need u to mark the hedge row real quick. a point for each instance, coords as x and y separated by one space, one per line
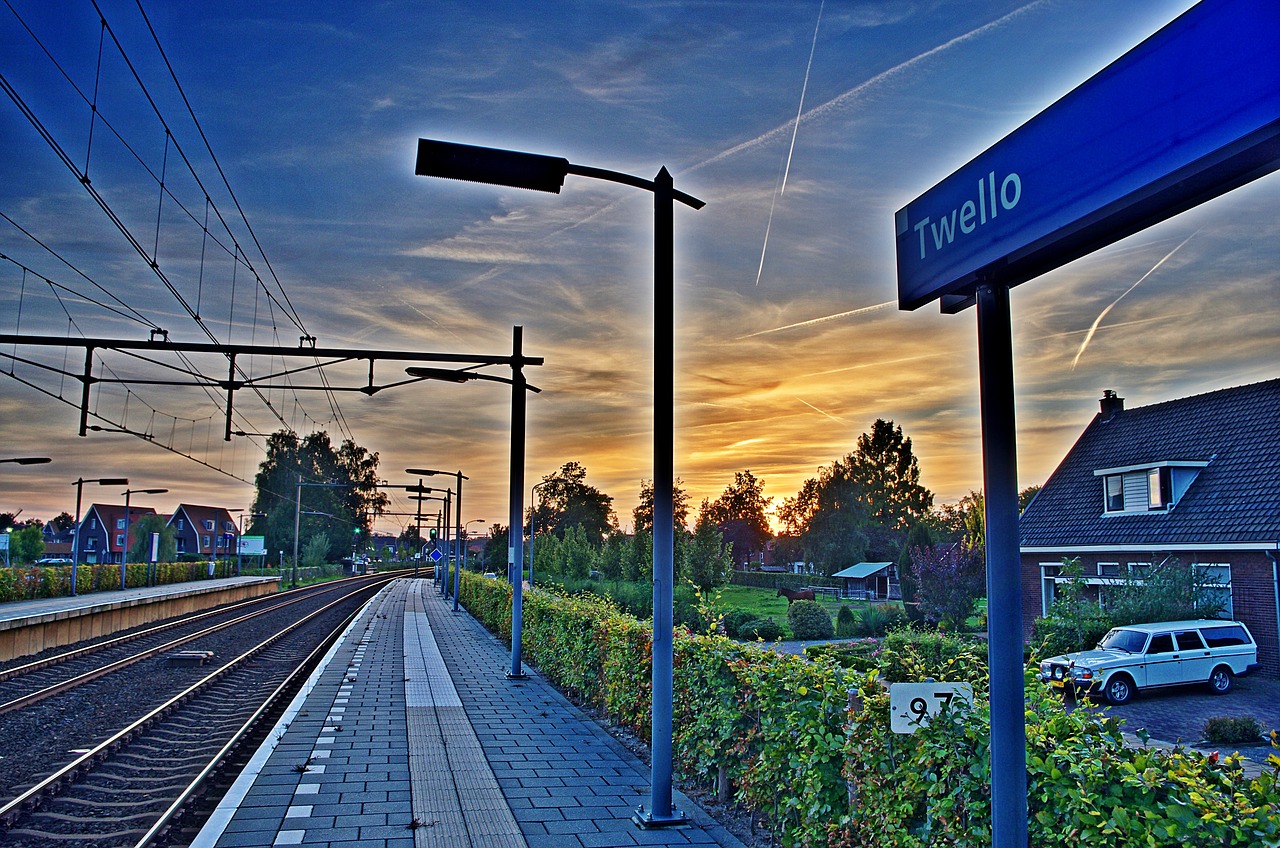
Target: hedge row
808 743
785 580
31 582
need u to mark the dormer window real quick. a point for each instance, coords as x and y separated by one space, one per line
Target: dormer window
1146 488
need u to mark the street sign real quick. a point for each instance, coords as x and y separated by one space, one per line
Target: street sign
1187 115
911 705
435 555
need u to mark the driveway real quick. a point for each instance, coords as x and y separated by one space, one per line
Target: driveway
1177 715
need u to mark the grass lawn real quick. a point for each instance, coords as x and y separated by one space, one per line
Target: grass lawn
764 603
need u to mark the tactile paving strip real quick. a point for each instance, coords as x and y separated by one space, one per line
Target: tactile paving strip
456 798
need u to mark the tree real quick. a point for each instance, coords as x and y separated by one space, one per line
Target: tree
26 544
315 552
63 522
862 505
642 515
739 513
708 560
494 555
919 536
886 469
140 539
950 578
567 501
334 511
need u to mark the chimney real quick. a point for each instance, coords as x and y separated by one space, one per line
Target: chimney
1110 404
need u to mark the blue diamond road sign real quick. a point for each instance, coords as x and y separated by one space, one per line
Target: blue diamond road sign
435 555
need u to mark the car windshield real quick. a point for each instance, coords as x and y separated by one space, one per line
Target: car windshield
1129 641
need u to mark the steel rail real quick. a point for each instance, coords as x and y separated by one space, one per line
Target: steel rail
124 662
162 825
17 805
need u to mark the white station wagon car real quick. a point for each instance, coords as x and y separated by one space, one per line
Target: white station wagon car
1143 656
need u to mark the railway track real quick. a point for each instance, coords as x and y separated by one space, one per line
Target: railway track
131 784
28 683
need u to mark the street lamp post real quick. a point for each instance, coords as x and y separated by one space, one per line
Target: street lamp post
457 511
465 552
124 552
515 546
75 533
547 173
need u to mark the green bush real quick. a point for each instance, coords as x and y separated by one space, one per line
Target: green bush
734 620
846 623
1229 730
1059 634
879 619
761 628
807 743
809 620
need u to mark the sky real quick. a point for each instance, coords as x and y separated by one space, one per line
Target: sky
285 136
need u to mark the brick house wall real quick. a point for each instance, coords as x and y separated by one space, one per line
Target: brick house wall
1253 591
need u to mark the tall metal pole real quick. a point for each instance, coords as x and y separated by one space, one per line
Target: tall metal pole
1004 586
457 542
661 813
417 523
124 554
75 536
444 539
297 528
515 529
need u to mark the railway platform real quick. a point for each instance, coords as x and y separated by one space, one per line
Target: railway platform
409 735
28 627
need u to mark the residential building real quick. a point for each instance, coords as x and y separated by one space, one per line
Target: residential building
103 534
208 532
1195 479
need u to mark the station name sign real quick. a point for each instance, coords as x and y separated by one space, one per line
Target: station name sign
1188 114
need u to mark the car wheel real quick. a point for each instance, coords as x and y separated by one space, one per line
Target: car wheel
1220 680
1119 689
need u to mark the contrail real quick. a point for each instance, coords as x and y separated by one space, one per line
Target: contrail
791 150
841 99
803 88
1092 329
821 320
819 411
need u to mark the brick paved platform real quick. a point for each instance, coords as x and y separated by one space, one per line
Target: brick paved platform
410 735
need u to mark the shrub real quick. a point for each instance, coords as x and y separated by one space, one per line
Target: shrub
761 628
846 623
877 619
1233 730
735 619
809 620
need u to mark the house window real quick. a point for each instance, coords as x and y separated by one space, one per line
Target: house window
91 544
119 523
93 524
1108 569
208 523
1218 577
119 540
1114 488
182 524
206 541
1159 488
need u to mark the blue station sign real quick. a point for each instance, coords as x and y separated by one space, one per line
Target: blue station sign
1188 114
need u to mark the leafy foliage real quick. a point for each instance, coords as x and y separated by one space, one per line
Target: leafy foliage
26 545
140 539
739 513
567 501
708 560
807 744
332 510
764 629
846 623
950 578
808 620
862 506
1233 730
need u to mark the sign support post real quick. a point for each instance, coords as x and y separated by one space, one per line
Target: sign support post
1004 586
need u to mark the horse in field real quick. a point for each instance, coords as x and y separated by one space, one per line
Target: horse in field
795 595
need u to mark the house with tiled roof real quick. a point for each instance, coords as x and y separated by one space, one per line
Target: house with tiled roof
205 531
103 538
1196 479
